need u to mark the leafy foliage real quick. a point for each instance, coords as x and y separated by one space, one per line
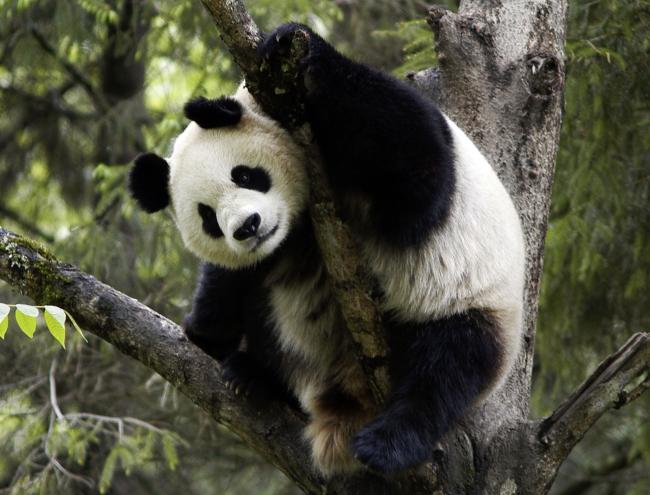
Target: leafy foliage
27 317
600 221
597 266
418 50
87 84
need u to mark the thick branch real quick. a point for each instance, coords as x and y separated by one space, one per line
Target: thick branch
272 429
351 285
238 31
141 333
617 381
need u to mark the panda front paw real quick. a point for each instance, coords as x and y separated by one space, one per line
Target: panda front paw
277 45
194 331
388 445
243 376
202 334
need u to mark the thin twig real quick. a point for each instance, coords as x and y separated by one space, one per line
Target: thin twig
119 421
25 224
50 102
74 72
53 399
55 462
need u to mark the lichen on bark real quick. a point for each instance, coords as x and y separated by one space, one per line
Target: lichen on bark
27 264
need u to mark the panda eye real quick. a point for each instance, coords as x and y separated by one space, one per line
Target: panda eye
210 222
255 178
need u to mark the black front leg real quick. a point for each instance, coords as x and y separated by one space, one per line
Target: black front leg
215 322
380 139
230 305
439 369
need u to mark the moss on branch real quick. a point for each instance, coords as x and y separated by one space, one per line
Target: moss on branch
30 267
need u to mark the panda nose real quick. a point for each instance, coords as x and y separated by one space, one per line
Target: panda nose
248 228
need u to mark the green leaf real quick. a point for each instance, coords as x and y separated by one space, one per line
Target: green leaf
108 470
55 321
76 326
169 451
4 319
26 318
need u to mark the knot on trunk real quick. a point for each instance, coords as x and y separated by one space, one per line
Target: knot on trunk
544 74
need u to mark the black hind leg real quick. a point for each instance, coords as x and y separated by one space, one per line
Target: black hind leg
439 369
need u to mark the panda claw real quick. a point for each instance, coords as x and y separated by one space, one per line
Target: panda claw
243 379
278 43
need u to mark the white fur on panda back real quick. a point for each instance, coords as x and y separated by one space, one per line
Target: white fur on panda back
475 261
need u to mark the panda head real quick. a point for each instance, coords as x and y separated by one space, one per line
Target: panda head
236 181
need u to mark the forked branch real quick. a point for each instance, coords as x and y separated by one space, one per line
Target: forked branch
619 379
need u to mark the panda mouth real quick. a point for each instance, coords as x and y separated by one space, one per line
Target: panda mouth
262 239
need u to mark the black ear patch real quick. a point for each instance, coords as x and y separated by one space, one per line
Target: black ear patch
222 112
149 182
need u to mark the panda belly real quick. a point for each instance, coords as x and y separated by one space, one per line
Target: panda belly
309 328
319 364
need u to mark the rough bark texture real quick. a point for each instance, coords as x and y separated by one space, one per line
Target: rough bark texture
501 78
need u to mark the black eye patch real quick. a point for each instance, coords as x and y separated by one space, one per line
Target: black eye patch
254 178
210 223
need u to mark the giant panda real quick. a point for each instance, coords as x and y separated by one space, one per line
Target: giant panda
434 225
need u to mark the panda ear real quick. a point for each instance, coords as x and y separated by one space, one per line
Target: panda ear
222 112
149 182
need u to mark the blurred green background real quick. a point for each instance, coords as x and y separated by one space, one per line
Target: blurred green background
87 84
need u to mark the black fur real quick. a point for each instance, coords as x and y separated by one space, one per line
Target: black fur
388 147
227 303
251 377
209 221
336 401
215 323
255 178
209 114
230 314
438 369
229 322
149 182
379 139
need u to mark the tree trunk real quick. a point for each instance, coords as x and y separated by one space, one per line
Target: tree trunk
500 78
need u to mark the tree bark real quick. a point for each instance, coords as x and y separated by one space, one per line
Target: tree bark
501 77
